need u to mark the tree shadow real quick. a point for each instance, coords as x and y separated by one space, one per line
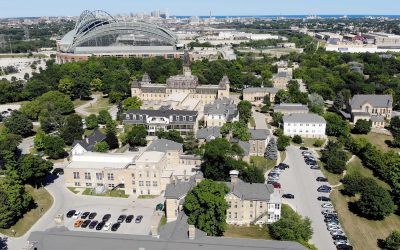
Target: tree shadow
381 243
3 243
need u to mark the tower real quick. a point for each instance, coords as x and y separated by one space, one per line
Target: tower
186 64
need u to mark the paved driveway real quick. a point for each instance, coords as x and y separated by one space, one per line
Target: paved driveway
300 181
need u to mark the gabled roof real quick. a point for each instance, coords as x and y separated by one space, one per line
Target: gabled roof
259 134
179 188
251 191
377 101
260 89
209 133
290 106
164 145
303 118
223 106
89 142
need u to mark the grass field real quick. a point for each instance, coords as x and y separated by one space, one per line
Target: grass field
102 103
43 201
79 102
108 193
252 232
147 196
261 162
379 140
309 142
283 155
72 189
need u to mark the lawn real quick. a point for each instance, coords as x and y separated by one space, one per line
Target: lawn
147 196
43 201
252 232
309 142
108 193
262 163
378 140
102 103
79 102
252 122
283 155
363 233
72 189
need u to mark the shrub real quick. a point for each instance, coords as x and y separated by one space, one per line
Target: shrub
318 143
297 139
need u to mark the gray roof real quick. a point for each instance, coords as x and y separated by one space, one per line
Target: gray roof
260 89
290 106
178 230
259 134
178 116
164 145
223 106
63 239
90 141
282 74
208 133
251 191
161 113
245 146
178 188
303 118
377 101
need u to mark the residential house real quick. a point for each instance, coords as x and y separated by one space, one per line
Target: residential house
305 125
88 143
208 134
220 112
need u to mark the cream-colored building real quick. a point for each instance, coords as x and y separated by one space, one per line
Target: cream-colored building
249 203
256 95
374 108
220 112
304 125
144 173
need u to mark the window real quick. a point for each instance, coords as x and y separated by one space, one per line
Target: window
147 173
76 175
99 176
133 176
251 215
127 116
235 204
276 216
277 206
111 185
141 183
133 182
230 204
229 215
269 216
88 184
251 203
147 183
110 176
77 184
155 175
155 183
261 204
235 215
190 118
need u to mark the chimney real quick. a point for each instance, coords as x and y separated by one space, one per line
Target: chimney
192 232
184 175
87 139
234 176
175 180
154 231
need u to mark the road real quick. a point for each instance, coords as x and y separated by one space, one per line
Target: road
26 145
65 200
300 181
82 109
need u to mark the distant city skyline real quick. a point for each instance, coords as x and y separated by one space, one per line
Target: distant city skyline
23 8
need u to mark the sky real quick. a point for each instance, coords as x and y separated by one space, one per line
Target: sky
32 8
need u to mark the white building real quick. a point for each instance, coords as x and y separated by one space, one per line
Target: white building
305 125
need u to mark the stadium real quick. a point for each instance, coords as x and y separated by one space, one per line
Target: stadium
97 33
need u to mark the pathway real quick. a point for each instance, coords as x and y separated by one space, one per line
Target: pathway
82 109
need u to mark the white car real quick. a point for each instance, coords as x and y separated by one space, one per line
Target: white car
337 232
76 215
107 226
334 228
341 242
328 211
327 205
332 224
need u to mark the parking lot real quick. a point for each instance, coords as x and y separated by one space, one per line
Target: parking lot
300 181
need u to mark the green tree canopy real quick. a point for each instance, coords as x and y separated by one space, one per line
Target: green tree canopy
244 108
136 136
72 129
392 242
104 117
190 144
206 207
131 103
362 127
283 142
32 168
101 147
54 147
18 123
172 135
91 121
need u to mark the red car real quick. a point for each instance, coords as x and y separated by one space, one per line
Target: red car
276 185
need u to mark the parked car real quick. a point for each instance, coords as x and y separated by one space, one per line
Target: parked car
344 247
327 205
337 232
115 226
92 216
107 226
334 228
322 179
328 211
85 215
326 220
288 196
93 224
303 148
314 167
78 223
129 219
331 224
324 190
324 198
100 225
282 166
271 174
138 219
106 217
76 215
339 237
160 207
121 218
85 223
276 185
341 242
57 171
306 153
70 213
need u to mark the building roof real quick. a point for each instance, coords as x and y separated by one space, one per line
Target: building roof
179 188
251 191
162 113
94 160
303 118
164 145
209 133
173 236
150 157
377 101
245 146
290 107
224 106
260 89
89 142
259 134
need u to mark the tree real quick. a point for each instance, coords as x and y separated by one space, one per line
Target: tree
101 147
96 84
172 135
251 173
131 103
38 141
339 102
226 128
112 140
318 143
72 129
31 168
18 123
283 142
54 147
297 139
277 119
291 226
14 201
244 108
281 96
50 120
272 150
267 104
206 207
316 103
240 131
65 85
375 203
335 165
137 136
190 144
91 122
104 117
336 126
392 242
362 126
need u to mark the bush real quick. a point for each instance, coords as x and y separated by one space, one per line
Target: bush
375 203
297 139
278 132
318 143
362 127
392 242
283 142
